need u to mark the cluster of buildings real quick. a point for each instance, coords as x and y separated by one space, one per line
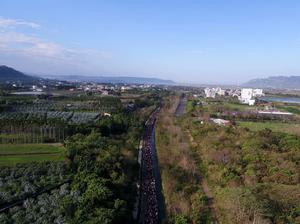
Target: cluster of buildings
245 95
45 86
36 88
213 92
248 95
106 89
94 88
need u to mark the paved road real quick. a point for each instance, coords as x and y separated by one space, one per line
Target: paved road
150 184
181 106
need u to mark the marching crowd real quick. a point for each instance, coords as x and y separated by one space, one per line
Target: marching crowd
148 184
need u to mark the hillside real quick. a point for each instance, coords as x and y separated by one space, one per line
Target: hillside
8 74
275 82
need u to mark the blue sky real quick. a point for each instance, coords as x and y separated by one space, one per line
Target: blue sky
203 41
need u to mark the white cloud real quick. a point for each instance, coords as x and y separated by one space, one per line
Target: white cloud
7 23
32 46
19 43
35 47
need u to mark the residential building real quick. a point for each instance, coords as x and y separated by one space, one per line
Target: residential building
248 95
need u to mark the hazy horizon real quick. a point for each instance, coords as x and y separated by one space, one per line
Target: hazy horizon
199 42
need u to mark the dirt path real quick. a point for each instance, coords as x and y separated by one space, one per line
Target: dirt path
205 188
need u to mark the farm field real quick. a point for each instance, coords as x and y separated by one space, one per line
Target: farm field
228 106
274 126
291 109
11 154
237 106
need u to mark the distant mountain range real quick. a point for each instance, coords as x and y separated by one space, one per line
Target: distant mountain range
275 82
8 74
116 79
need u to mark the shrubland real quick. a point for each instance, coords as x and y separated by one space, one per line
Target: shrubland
254 175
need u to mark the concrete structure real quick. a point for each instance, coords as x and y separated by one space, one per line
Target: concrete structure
247 95
105 92
258 92
251 102
274 112
220 121
209 93
234 92
212 92
220 92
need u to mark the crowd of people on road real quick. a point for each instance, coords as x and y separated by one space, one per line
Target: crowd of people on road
148 182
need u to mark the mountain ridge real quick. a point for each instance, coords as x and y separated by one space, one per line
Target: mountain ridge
8 74
115 79
275 82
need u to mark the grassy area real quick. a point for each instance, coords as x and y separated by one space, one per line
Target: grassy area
291 109
190 106
212 107
16 137
11 154
274 126
179 168
250 173
238 107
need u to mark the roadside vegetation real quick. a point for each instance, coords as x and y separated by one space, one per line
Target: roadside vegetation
180 167
290 128
253 172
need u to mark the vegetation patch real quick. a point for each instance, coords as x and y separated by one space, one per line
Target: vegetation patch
12 154
274 126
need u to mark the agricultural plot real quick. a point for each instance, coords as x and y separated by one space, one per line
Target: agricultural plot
83 118
11 154
13 116
103 104
41 127
71 117
238 107
32 133
29 178
291 109
274 126
22 116
46 208
65 116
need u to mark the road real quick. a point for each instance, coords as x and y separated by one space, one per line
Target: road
181 106
151 206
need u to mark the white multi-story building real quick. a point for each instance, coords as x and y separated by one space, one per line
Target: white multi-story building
212 92
220 92
234 92
209 93
247 95
258 92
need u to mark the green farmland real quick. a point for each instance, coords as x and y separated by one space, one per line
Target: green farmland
274 126
11 154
